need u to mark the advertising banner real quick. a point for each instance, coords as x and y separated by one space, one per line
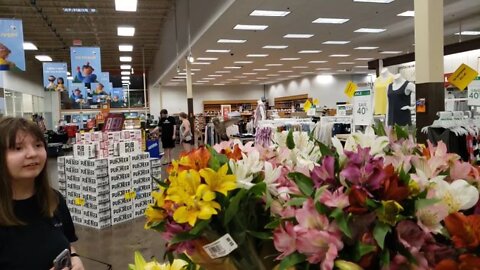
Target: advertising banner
12 55
362 108
118 98
86 64
77 96
99 93
55 76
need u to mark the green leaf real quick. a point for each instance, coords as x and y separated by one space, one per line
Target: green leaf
234 205
372 204
261 235
379 129
290 141
298 201
325 150
259 189
199 227
321 208
402 133
421 203
274 224
385 259
379 233
304 183
362 250
342 221
404 177
216 160
291 260
319 192
160 182
182 237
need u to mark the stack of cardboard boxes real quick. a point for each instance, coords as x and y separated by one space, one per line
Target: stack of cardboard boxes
106 144
141 182
120 177
156 172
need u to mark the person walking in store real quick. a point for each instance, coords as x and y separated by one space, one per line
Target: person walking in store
167 127
185 132
35 224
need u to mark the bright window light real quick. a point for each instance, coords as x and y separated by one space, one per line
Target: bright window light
126 5
366 48
125 77
70 78
243 62
364 59
298 36
468 33
336 42
207 58
125 48
274 65
370 30
231 40
257 55
391 52
318 61
217 51
331 20
125 72
289 59
125 67
251 27
125 59
339 55
232 67
269 13
310 51
375 1
408 13
278 47
43 58
29 46
126 31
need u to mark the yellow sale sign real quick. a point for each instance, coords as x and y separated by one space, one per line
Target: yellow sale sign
463 77
350 89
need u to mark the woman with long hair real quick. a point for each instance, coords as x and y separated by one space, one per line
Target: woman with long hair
185 132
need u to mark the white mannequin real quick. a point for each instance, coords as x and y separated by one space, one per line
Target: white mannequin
398 81
260 114
385 73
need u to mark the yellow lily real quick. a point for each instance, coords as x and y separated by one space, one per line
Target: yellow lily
184 188
389 212
141 264
199 210
154 215
219 181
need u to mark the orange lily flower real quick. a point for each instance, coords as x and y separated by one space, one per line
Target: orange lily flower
465 230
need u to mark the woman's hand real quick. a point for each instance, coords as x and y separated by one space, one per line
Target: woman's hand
77 263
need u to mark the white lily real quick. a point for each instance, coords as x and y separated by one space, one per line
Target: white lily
371 140
245 169
458 195
271 176
423 179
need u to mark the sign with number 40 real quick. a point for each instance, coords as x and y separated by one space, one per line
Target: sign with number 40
362 108
474 93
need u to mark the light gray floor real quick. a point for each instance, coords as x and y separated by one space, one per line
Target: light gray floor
115 245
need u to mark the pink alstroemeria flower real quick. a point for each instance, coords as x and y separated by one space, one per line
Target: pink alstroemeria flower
363 169
336 199
284 240
325 173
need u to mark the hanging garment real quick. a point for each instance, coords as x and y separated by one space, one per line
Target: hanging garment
380 94
397 99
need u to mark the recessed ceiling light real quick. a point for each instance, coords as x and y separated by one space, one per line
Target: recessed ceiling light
125 48
361 66
126 5
273 75
200 63
317 61
364 59
125 59
346 63
241 77
298 36
257 55
366 48
243 62
370 30
125 73
468 33
391 52
259 69
252 27
336 42
217 51
289 59
331 20
310 51
269 13
285 71
274 65
125 77
29 46
125 66
278 47
223 71
299 67
408 13
207 58
126 31
43 58
375 1
232 67
214 75
232 41
339 55
323 69
249 73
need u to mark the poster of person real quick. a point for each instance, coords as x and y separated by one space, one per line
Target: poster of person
12 55
77 96
118 98
55 76
99 93
86 64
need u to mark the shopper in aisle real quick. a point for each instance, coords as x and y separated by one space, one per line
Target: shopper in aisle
35 224
186 136
167 127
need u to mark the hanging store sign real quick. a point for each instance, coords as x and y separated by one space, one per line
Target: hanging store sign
350 89
462 77
12 55
86 64
362 108
55 76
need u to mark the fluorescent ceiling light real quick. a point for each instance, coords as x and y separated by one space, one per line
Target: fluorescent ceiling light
232 67
375 1
298 36
310 51
193 69
68 73
262 78
323 69
126 31
253 80
125 66
200 63
43 58
29 46
184 73
207 58
208 79
364 59
366 48
299 67
269 13
391 52
214 75
223 71
370 30
317 61
361 66
331 20
307 72
289 59
468 33
339 55
125 72
125 48
252 27
249 73
241 77
336 42
408 13
126 5
232 79
278 47
218 84
274 65
217 51
202 81
125 77
285 71
125 82
243 62
259 69
273 75
70 78
257 55
293 76
79 10
231 40
125 59
346 63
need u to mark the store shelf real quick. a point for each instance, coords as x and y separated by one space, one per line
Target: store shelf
212 107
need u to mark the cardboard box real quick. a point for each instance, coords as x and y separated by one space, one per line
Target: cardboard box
155 162
128 147
84 150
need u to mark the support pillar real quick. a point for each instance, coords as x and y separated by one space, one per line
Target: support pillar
429 61
189 83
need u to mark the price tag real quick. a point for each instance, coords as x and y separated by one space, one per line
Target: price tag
130 195
79 201
463 76
474 93
222 247
350 89
362 108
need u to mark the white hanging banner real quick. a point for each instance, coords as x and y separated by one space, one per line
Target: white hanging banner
474 93
362 108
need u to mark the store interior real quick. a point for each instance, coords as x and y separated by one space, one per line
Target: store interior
262 65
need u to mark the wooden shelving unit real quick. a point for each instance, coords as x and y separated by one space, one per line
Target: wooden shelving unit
212 107
284 104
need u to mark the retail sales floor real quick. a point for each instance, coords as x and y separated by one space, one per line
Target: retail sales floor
115 245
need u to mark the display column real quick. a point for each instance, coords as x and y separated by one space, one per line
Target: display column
190 97
429 61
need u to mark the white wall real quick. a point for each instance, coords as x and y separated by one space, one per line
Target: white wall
27 82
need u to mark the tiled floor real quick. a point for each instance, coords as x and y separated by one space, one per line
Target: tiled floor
115 245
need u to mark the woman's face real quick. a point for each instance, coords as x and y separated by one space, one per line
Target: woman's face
27 159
